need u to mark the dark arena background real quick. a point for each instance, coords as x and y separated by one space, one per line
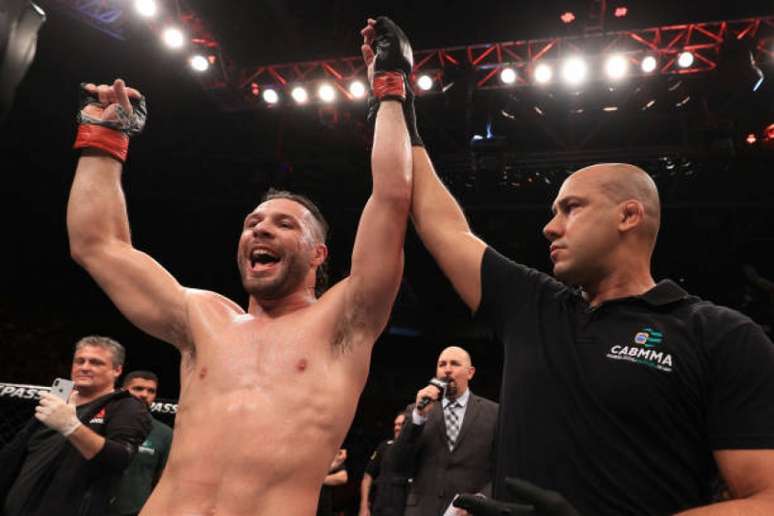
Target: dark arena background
668 85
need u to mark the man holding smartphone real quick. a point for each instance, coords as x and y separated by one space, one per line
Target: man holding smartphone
65 459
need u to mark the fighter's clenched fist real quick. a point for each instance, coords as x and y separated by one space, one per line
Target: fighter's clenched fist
390 60
109 115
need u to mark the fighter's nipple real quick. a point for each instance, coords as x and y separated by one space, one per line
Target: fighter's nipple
202 373
301 365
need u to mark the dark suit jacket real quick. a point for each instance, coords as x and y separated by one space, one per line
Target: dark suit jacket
439 474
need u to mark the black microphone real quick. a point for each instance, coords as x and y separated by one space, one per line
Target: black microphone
440 385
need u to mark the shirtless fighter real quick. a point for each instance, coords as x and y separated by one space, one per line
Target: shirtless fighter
267 395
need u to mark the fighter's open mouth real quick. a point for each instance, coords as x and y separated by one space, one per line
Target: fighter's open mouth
262 257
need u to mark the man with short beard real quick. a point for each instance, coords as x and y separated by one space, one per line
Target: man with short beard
267 394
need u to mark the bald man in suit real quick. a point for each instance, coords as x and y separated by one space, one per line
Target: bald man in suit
451 440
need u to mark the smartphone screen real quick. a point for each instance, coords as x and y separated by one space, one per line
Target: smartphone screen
62 388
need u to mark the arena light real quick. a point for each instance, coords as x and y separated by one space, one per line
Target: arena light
621 11
543 74
326 93
199 63
299 94
574 71
508 75
567 17
425 82
270 96
616 66
685 59
146 8
751 139
648 64
173 37
357 89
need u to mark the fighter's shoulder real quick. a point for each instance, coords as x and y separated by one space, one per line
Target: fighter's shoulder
207 300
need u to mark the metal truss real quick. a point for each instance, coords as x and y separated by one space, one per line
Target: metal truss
486 61
107 16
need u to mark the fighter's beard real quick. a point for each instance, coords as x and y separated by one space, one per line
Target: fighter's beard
286 281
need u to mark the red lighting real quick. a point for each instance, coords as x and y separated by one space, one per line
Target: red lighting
568 17
751 138
620 12
770 132
255 89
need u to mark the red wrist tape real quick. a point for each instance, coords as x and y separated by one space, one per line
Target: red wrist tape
389 85
113 142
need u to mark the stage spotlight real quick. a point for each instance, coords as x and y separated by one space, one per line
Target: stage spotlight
199 63
425 82
300 95
567 17
685 59
145 8
769 132
357 89
508 75
326 93
648 64
616 67
751 139
173 37
574 71
621 11
270 96
543 73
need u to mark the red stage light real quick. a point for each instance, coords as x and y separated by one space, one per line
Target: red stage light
620 12
254 89
770 132
567 17
751 138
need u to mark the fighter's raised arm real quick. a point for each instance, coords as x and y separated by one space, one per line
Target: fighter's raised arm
377 258
97 222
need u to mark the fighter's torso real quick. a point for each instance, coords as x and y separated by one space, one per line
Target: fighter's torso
264 405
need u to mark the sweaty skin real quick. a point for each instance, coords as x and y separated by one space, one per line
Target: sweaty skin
256 433
268 394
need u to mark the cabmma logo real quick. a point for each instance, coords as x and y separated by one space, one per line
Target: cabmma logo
644 350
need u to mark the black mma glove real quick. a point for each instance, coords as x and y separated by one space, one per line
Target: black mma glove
393 64
109 135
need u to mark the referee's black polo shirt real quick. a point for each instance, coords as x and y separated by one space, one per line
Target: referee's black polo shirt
620 407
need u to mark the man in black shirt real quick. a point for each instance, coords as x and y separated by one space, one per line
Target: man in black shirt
624 395
384 485
66 465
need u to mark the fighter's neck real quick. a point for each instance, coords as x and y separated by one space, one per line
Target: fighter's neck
284 305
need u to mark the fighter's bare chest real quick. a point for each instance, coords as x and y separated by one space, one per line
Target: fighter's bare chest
241 351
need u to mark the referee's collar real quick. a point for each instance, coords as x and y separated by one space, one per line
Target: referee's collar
664 293
462 399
